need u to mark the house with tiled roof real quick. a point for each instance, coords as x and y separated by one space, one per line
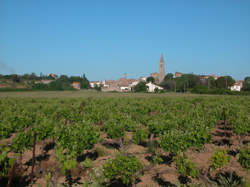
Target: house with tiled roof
237 86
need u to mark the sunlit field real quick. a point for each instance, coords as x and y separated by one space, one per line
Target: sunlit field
89 138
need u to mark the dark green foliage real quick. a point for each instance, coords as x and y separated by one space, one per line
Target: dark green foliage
169 76
244 157
139 136
169 85
246 84
123 167
229 179
84 82
97 88
150 79
140 87
216 91
224 82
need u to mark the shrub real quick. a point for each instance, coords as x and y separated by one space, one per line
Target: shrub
139 136
114 130
5 161
87 163
67 161
185 166
173 141
219 159
157 159
77 137
244 157
122 167
140 87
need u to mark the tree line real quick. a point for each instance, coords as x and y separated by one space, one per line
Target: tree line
63 82
195 84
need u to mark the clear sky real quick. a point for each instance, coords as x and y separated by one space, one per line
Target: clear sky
106 38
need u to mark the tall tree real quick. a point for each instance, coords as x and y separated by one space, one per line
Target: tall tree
246 84
150 79
140 87
85 82
169 76
224 82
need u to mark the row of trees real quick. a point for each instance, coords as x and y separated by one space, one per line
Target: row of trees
63 82
25 77
191 82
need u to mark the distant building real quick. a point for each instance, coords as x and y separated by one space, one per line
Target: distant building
161 69
237 86
205 77
152 87
94 83
121 85
76 85
178 74
155 75
134 83
53 76
214 76
159 77
142 78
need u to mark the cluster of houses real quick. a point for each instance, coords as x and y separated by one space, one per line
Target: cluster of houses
126 85
123 84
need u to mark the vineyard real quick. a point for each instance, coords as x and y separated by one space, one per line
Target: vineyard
125 141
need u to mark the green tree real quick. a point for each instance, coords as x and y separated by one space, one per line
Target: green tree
64 78
169 76
140 87
224 82
211 83
150 79
246 84
15 78
169 84
98 88
85 82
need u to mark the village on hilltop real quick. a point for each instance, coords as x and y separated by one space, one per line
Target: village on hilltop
123 84
155 82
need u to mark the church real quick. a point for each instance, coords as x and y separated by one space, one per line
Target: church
159 77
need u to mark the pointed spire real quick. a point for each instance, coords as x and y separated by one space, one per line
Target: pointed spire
162 59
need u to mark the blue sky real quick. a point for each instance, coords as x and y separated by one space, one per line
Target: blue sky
106 38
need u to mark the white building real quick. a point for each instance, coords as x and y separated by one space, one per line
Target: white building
152 87
237 86
93 83
133 84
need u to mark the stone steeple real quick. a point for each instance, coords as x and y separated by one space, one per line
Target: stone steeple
161 69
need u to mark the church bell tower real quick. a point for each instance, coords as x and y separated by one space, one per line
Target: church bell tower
161 69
